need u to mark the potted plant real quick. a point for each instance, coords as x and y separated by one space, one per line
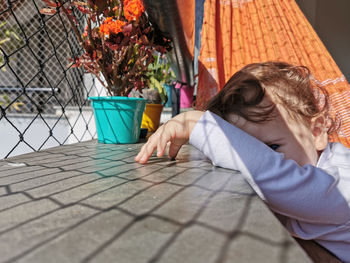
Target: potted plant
161 77
156 95
119 42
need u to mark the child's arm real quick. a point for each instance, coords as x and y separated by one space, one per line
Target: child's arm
305 193
176 131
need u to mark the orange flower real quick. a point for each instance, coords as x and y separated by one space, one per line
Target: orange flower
117 26
109 26
133 9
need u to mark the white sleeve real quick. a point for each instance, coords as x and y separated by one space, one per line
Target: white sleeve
304 193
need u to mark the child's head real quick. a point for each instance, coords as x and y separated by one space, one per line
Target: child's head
278 104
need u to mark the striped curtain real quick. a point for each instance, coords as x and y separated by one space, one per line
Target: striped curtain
239 32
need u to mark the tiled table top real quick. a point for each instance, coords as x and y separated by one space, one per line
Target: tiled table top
91 202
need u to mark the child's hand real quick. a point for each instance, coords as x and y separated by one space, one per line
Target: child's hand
176 131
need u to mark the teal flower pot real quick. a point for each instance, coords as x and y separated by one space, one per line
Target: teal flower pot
168 89
118 119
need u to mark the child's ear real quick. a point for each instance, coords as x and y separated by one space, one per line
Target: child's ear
319 131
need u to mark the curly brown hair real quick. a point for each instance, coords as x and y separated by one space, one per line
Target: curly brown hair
288 85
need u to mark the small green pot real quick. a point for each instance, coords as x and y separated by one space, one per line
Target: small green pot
118 119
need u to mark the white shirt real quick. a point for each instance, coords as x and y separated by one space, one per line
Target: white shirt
314 200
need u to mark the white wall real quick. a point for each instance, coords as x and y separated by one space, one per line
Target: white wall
35 135
37 131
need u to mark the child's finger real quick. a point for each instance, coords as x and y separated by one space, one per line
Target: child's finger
174 149
161 144
145 155
141 152
138 156
145 152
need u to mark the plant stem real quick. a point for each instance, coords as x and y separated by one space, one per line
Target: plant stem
74 27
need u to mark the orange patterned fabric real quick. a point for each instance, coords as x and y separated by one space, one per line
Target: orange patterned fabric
187 14
239 32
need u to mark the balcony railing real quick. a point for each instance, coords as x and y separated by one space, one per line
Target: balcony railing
40 92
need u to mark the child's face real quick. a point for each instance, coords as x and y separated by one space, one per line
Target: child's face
286 135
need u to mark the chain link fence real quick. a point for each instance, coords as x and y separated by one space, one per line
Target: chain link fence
43 100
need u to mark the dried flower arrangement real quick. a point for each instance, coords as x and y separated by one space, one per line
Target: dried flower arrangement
119 41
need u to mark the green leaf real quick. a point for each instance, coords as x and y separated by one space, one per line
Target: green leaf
2 24
15 36
155 84
3 41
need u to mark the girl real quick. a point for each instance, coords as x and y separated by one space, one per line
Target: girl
271 124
